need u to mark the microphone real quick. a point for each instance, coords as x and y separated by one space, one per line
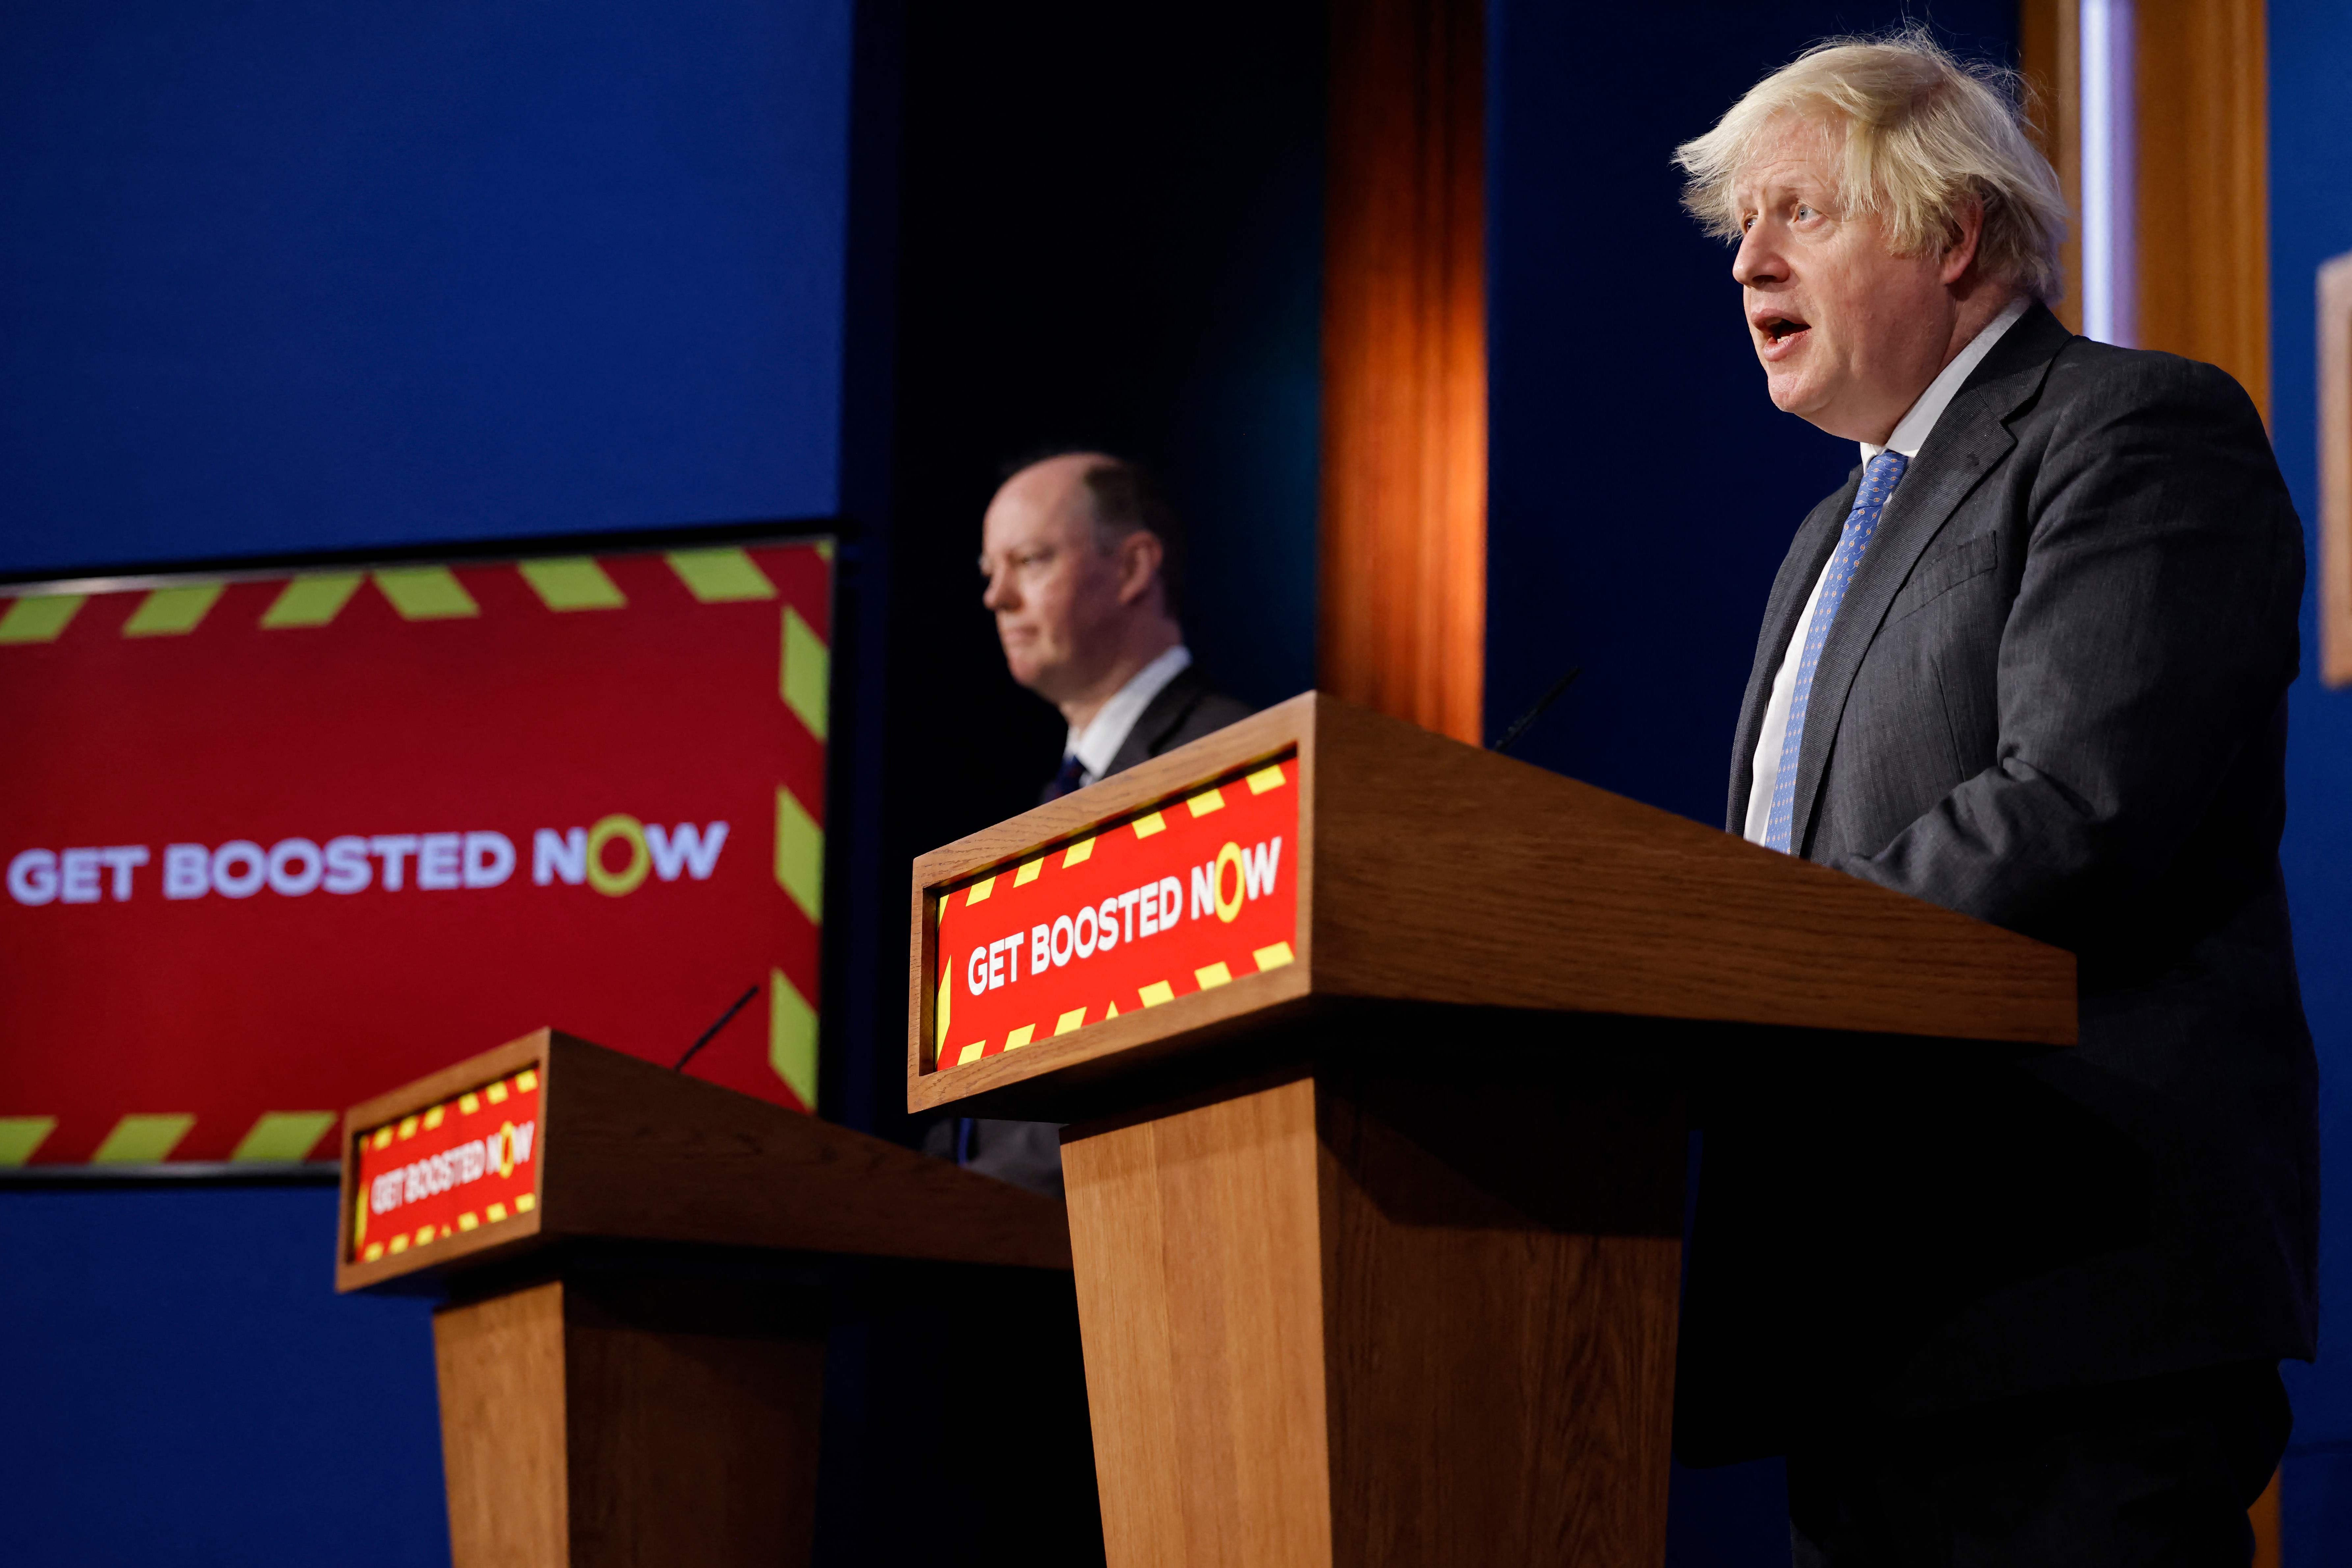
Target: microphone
750 992
1519 725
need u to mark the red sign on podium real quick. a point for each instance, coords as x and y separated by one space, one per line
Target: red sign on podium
448 1169
1194 895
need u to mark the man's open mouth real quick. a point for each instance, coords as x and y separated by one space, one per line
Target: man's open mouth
1780 329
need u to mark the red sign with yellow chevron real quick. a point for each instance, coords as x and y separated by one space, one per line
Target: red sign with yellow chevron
272 842
447 1170
1194 895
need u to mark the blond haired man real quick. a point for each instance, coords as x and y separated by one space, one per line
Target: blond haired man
2031 663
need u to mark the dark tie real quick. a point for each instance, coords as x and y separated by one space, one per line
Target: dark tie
1878 481
1072 777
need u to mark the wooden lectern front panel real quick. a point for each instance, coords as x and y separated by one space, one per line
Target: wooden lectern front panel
1346 1323
500 1369
1200 1303
694 1407
623 1421
1502 1272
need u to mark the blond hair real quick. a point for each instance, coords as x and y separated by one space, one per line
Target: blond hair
1924 135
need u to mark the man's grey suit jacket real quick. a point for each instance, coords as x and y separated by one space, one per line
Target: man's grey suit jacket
2054 698
1029 1153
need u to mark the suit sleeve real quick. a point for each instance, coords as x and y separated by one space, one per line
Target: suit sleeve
2152 640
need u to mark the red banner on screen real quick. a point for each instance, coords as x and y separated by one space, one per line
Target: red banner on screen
273 845
447 1170
1196 895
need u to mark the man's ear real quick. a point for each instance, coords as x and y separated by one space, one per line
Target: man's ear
1140 555
1960 251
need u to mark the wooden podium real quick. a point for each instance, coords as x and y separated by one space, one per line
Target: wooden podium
631 1356
1376 1142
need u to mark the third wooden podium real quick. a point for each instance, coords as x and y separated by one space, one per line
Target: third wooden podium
1371 1044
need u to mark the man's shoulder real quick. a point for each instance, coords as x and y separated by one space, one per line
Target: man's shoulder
2094 385
2042 375
1185 711
2134 418
1209 711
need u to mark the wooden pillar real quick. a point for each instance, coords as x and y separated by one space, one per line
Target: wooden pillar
1340 1323
2335 563
617 1421
1403 583
2200 137
2203 201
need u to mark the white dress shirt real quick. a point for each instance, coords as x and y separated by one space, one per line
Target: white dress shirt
1106 731
1910 434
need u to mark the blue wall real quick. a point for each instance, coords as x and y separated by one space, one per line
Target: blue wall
291 276
184 1388
2311 221
297 278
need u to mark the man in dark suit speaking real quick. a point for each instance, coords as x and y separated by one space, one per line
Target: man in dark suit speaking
2029 663
1083 563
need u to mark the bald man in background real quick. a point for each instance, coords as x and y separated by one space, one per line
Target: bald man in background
1083 563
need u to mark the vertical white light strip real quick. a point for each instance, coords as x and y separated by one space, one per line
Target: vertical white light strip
2109 303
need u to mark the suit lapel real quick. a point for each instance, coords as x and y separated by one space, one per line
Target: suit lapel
1970 438
1816 537
1161 714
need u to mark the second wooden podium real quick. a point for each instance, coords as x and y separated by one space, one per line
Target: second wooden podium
632 1353
1372 1045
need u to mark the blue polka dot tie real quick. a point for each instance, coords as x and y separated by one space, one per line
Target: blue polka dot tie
1878 481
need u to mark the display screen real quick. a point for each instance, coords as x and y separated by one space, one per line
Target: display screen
1198 893
275 844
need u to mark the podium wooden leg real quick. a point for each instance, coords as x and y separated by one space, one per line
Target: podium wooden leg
594 1425
1338 1323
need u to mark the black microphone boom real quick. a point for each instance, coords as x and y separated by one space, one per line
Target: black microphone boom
750 992
1518 726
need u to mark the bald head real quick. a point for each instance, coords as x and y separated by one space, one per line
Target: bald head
1079 600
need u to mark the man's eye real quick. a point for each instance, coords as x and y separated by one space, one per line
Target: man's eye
1803 212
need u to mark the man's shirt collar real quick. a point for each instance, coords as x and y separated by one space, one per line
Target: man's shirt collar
1099 741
